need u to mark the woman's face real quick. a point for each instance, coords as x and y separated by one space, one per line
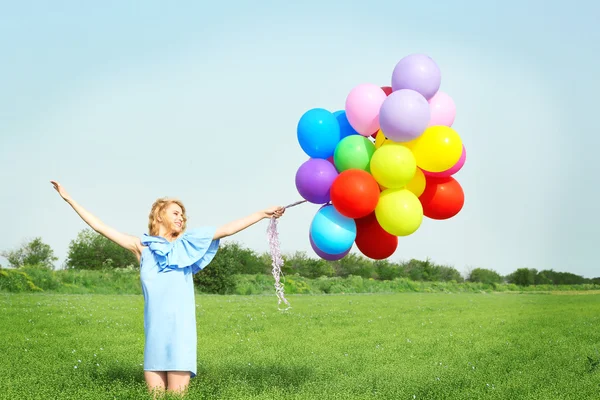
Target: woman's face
173 218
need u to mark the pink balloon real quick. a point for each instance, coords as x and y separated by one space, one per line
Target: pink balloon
443 109
362 108
452 170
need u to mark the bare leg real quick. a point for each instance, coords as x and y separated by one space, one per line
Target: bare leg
156 381
178 381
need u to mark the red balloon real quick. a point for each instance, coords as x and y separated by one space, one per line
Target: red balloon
387 90
354 193
443 198
372 240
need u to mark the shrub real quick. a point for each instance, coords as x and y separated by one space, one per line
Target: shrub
90 250
16 281
218 276
484 276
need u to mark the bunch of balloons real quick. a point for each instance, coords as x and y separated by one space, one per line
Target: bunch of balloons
382 164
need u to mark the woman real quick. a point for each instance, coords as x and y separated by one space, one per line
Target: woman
169 256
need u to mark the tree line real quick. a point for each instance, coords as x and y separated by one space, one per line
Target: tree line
92 251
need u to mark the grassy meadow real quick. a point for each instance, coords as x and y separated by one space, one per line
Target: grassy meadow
352 346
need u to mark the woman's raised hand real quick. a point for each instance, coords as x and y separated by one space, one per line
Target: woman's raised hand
63 193
128 242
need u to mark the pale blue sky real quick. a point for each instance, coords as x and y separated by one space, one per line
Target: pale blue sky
124 102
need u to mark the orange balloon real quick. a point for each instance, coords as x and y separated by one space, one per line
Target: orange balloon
354 193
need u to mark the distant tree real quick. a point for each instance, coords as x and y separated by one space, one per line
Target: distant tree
356 265
387 271
90 250
310 267
484 276
560 278
317 267
35 252
447 273
523 277
542 278
419 270
248 262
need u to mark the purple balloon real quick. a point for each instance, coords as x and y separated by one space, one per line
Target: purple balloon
419 73
326 256
404 115
314 179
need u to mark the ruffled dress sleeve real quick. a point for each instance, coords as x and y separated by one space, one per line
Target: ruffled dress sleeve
195 248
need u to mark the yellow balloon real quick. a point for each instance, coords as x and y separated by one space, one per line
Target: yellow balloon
437 149
417 183
393 165
399 212
380 139
410 144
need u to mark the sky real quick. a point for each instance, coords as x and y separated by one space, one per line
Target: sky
125 102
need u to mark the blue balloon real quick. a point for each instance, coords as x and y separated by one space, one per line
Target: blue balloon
318 133
332 232
345 128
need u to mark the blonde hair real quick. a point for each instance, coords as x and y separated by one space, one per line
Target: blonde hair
158 210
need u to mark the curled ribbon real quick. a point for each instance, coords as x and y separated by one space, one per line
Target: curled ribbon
273 237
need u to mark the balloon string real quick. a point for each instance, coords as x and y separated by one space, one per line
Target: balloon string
273 237
295 204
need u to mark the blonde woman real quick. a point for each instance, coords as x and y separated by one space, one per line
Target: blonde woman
169 255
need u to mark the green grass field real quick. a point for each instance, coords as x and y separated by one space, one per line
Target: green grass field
397 346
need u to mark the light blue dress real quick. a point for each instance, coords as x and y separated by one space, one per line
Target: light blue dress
166 272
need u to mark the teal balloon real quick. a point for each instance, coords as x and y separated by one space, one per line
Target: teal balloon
332 232
318 133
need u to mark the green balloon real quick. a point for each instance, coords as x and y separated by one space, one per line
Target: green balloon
354 151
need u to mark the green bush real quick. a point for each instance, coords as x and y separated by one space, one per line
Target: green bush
301 264
356 265
387 271
12 280
484 276
44 278
428 271
127 281
254 284
90 250
218 276
560 278
523 277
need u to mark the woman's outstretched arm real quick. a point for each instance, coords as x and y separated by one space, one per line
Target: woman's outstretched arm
239 225
128 242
